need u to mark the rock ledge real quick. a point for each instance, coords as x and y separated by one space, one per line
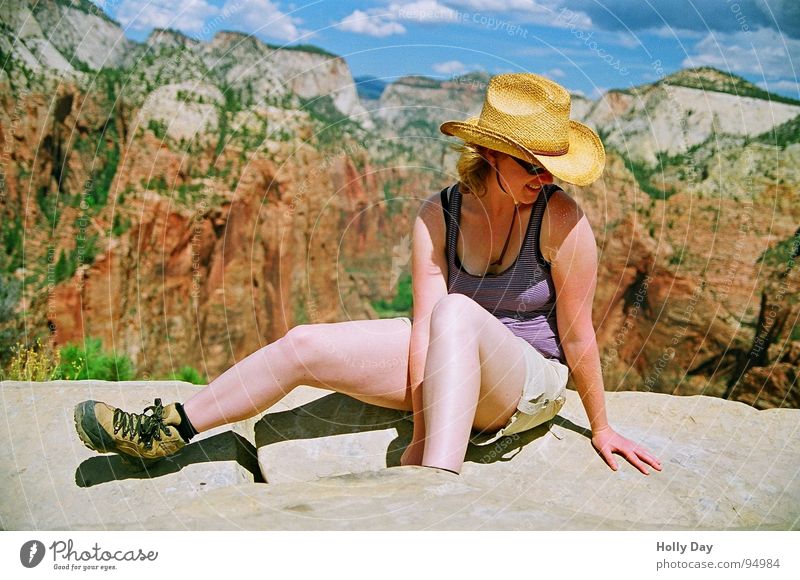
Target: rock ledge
325 456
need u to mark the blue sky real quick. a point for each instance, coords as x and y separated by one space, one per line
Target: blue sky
588 46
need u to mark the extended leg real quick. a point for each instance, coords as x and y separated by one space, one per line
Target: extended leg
366 359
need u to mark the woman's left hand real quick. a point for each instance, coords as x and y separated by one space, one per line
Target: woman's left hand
607 442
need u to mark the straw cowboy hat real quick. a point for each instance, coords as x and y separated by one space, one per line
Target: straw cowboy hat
527 116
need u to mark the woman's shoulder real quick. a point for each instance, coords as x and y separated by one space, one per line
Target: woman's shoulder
561 215
430 216
432 208
559 201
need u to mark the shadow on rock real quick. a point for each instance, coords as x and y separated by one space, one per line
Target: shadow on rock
567 424
485 448
338 414
227 446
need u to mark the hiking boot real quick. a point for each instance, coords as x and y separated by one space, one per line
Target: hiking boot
142 436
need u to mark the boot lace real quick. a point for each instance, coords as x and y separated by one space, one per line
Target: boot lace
146 428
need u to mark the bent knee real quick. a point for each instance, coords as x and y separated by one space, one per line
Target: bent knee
453 310
303 346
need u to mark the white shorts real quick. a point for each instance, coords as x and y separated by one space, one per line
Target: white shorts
543 394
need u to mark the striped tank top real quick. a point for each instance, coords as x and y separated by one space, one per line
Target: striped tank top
522 297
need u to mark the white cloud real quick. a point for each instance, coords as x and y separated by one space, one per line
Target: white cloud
505 5
552 13
263 18
186 15
680 34
555 72
370 24
764 52
386 21
451 67
626 39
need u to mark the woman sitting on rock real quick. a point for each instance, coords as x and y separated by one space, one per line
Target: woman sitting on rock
504 272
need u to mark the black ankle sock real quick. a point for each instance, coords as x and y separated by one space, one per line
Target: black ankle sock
185 429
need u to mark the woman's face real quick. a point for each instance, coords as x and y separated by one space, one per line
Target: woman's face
517 180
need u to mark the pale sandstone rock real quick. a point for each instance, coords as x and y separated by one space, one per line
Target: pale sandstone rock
29 43
248 63
170 38
48 55
95 41
672 119
726 466
312 75
178 106
57 33
49 479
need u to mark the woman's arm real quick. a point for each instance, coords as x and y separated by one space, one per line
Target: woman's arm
429 285
570 242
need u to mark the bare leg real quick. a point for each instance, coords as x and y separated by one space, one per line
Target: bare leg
366 359
474 374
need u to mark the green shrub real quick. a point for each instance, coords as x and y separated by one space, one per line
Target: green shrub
48 204
189 375
10 292
86 250
784 253
306 48
676 258
12 244
32 363
401 304
159 128
120 225
647 177
782 135
65 268
6 63
333 126
90 362
103 179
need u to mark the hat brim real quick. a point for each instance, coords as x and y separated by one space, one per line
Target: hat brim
581 165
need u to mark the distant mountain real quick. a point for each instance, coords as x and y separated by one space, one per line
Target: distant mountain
77 39
682 111
711 79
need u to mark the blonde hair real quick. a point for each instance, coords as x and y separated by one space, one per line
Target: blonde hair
472 168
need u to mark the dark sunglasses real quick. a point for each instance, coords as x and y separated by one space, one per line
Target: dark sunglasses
531 168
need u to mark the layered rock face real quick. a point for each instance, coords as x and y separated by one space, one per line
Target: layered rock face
195 200
52 36
212 268
199 221
666 119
